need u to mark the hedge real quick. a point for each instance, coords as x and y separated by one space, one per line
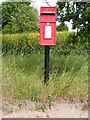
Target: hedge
26 43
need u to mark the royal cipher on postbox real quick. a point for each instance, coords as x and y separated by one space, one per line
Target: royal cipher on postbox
48 26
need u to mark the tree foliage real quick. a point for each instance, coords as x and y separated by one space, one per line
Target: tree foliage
0 18
18 17
78 12
62 27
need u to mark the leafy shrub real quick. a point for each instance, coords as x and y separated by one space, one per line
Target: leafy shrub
26 43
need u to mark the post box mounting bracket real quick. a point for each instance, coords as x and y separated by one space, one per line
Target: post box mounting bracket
45 1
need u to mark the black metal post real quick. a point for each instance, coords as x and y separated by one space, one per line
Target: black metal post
46 65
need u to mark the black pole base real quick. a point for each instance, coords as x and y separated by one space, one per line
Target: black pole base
46 81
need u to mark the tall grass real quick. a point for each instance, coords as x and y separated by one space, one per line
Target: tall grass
23 76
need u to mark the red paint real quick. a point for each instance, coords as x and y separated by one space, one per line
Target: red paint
48 14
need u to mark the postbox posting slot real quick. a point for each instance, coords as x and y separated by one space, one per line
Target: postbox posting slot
48 13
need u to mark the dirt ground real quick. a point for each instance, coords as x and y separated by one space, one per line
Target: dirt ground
63 109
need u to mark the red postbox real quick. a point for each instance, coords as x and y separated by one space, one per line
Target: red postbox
47 26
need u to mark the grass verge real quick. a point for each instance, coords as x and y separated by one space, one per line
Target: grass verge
23 77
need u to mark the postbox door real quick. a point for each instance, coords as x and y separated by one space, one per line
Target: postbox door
48 34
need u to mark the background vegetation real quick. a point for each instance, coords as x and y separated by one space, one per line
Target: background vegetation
23 68
78 13
26 43
18 17
23 57
62 27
